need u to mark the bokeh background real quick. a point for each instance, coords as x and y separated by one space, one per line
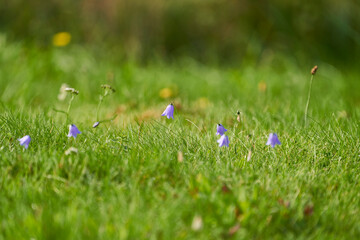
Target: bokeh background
217 31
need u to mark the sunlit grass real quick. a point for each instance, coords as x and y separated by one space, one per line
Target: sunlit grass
126 180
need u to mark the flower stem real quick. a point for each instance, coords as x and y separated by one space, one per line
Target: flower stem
98 108
68 110
308 100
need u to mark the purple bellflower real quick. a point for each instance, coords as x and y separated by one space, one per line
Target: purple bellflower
220 130
169 111
96 124
73 131
273 140
223 141
24 141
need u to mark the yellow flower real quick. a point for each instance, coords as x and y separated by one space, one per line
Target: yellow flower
203 103
262 86
61 39
166 93
342 114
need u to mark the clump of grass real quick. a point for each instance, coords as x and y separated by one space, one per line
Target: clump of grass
151 181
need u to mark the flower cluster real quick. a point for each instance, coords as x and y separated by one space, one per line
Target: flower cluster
223 141
73 132
63 38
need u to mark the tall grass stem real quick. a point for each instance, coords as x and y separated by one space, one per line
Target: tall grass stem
308 99
98 108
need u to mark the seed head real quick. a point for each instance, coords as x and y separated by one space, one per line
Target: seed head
238 118
107 86
314 69
72 91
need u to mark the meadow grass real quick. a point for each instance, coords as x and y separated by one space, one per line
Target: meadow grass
126 181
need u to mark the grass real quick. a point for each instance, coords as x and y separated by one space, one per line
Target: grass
126 182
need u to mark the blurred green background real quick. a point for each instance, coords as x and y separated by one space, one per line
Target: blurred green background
220 31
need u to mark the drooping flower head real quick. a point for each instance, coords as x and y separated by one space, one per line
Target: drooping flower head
273 140
73 131
62 93
169 111
223 141
72 91
96 124
220 130
24 141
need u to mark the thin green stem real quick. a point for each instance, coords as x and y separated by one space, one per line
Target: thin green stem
308 100
109 119
193 124
68 110
98 108
59 111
